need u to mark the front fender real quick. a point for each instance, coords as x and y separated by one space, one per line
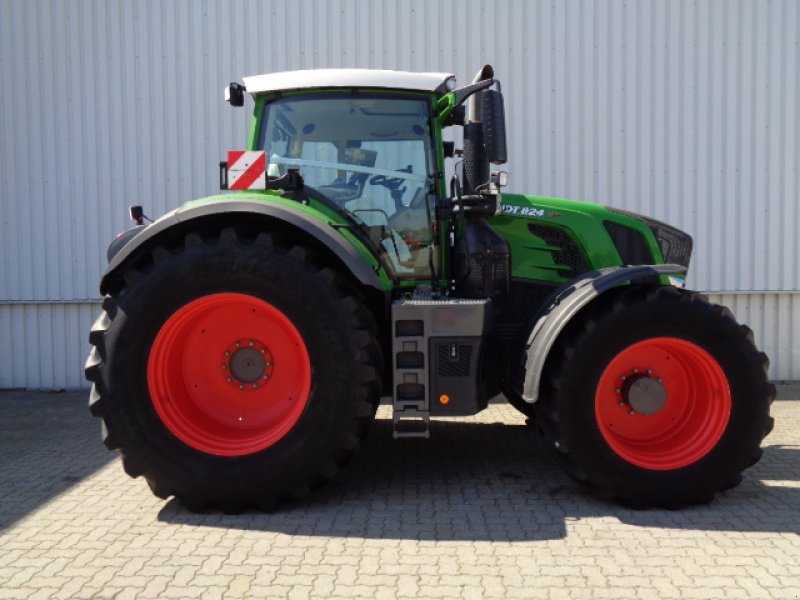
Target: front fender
567 301
314 227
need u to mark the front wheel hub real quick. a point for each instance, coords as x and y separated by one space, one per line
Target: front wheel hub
663 403
645 394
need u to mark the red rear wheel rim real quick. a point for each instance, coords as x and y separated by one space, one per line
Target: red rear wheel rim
229 374
691 412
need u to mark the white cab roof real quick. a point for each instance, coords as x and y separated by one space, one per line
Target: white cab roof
337 78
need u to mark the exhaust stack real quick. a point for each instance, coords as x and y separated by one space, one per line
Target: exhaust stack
476 165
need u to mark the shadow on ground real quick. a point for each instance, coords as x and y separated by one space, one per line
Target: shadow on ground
496 482
48 443
470 481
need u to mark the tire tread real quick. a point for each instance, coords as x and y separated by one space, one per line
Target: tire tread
360 322
549 416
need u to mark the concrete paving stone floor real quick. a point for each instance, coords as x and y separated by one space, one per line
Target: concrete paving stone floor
481 510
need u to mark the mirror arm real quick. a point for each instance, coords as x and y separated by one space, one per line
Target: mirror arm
462 94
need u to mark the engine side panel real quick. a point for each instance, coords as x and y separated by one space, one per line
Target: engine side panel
554 240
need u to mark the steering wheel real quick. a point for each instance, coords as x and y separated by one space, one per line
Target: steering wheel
393 183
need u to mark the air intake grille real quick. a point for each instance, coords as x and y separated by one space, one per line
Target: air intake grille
568 255
676 246
630 244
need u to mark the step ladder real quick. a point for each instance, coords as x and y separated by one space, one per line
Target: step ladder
410 395
422 325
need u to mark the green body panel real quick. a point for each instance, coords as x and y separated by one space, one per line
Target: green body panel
332 216
532 258
255 123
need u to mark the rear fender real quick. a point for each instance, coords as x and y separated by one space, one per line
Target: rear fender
566 302
142 237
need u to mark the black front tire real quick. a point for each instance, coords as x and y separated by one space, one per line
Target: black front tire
631 471
515 400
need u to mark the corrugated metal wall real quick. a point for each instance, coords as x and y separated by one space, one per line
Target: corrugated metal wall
684 110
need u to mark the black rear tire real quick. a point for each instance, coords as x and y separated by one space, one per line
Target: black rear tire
631 471
336 328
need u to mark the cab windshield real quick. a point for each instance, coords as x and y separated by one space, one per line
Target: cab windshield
371 157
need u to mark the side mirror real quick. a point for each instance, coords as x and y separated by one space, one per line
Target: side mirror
494 127
234 94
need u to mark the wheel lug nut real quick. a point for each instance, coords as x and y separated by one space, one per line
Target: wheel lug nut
649 372
229 379
623 378
631 412
251 343
618 391
227 353
262 351
224 367
636 370
241 387
255 385
621 403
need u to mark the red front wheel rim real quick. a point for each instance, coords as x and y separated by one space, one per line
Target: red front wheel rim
229 374
663 403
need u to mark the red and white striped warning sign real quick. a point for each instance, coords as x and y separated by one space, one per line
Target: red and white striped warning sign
247 170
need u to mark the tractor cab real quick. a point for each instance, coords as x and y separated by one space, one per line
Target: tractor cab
366 145
370 157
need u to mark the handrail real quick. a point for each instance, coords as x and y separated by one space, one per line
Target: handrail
301 162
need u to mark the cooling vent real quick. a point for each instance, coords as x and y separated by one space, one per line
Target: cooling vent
568 255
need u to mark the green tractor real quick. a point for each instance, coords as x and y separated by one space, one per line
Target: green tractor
247 339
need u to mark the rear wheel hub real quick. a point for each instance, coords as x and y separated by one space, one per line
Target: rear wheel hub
247 364
212 377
